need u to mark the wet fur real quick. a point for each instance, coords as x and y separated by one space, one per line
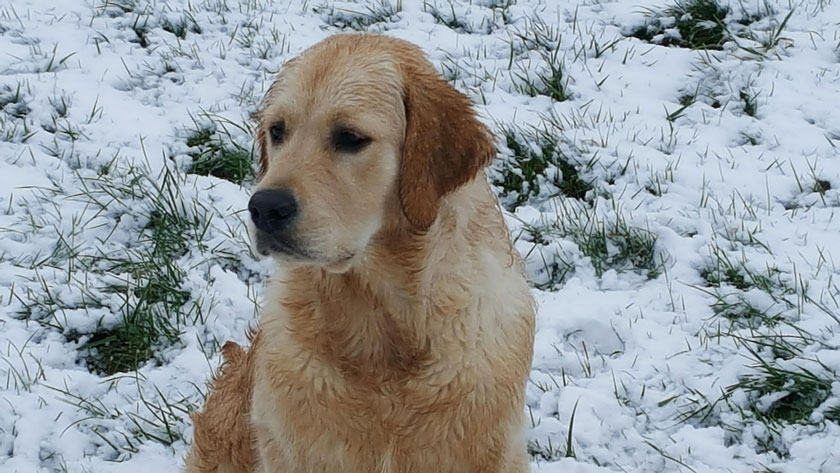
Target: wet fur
413 356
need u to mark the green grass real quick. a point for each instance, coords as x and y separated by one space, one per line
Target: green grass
15 123
609 243
781 384
538 159
214 156
821 186
536 35
144 280
833 414
181 26
141 30
744 313
446 16
115 8
701 25
764 43
127 346
722 271
750 104
156 417
550 452
550 81
730 280
362 18
797 392
13 102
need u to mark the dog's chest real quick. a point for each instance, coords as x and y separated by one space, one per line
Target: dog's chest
398 421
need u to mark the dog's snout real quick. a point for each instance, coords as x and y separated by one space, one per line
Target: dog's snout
272 210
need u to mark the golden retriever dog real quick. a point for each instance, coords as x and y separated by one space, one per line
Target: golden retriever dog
397 331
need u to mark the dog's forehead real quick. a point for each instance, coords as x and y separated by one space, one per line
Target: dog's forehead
343 69
341 77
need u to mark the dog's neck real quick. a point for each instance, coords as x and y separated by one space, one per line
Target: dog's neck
386 313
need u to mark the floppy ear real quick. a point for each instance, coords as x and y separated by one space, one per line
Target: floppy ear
445 144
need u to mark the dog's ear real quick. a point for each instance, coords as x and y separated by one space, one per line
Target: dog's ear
445 144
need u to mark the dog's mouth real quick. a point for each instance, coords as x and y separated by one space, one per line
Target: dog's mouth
272 245
278 246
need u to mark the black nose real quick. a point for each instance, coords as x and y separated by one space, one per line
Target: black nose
273 209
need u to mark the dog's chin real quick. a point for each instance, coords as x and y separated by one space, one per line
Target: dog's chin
290 253
284 249
336 265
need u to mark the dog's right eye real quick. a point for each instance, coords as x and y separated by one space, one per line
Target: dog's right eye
348 141
277 132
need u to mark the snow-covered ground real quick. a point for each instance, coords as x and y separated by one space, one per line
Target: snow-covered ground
676 206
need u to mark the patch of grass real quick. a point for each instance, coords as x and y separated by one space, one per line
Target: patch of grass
742 312
127 346
539 169
154 306
608 243
794 394
156 417
61 105
687 99
714 276
536 35
821 186
658 183
367 16
13 102
551 81
15 123
549 452
181 26
780 387
214 156
833 414
447 16
699 24
750 138
770 39
114 8
141 30
731 280
723 271
783 383
136 292
750 104
553 266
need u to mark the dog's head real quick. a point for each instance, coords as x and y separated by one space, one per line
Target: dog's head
357 132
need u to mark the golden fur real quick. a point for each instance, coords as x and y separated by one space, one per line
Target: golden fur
400 338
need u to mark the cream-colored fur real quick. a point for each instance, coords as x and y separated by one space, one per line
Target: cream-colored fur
402 340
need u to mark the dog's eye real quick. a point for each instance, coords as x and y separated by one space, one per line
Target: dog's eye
348 141
277 132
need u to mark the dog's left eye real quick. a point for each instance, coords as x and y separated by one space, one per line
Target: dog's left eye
348 141
277 132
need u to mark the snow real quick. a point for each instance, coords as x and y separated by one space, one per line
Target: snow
628 354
